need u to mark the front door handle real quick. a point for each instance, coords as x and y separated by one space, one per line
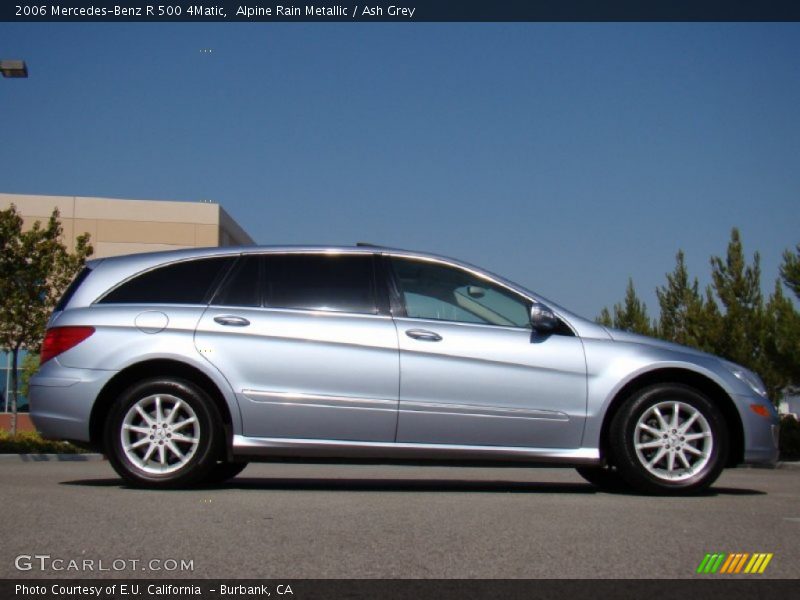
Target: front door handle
424 335
232 321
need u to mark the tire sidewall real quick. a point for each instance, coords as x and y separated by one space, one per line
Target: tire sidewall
208 447
623 435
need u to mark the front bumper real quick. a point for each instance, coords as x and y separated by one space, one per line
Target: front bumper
61 400
760 433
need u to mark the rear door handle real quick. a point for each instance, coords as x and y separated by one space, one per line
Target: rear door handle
424 335
232 321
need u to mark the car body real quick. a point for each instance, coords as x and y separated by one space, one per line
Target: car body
372 353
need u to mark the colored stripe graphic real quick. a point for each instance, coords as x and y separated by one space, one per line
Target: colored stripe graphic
703 564
741 562
711 563
724 563
731 560
764 564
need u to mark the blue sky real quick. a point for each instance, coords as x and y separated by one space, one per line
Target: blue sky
564 156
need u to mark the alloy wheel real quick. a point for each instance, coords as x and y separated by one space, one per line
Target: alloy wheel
673 440
160 434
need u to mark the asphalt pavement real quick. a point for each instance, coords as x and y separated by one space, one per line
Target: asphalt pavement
368 521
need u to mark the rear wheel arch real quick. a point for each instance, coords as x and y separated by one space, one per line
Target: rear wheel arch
148 370
694 380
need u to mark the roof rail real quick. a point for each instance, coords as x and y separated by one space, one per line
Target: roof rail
367 245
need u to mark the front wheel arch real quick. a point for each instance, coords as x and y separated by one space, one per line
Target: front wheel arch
691 379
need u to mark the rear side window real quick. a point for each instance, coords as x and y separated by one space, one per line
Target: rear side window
186 282
331 282
243 286
72 288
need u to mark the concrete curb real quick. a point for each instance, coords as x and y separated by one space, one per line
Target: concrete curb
30 458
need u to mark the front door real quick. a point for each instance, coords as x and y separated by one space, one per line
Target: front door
472 370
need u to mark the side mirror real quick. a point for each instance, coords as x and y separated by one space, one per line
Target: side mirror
542 318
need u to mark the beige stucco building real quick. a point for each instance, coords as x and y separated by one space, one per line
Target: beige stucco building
130 226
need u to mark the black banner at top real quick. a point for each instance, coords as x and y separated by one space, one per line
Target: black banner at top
404 11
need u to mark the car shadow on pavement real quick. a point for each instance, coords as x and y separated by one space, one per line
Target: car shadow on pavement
404 485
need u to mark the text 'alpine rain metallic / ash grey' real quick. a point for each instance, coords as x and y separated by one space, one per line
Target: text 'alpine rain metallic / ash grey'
182 366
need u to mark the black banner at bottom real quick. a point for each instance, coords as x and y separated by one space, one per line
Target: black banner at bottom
395 589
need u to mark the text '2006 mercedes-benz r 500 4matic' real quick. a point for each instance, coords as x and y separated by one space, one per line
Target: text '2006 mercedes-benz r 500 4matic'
183 366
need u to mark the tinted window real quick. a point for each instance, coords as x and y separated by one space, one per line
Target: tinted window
320 282
187 282
434 291
241 288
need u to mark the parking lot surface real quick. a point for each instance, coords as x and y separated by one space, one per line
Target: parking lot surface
356 521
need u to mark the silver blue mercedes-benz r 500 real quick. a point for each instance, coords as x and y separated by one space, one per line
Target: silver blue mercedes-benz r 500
183 366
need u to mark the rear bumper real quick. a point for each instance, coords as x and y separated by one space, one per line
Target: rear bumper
61 400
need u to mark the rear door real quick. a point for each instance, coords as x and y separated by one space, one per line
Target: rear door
304 343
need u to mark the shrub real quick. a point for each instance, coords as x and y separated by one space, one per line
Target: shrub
30 442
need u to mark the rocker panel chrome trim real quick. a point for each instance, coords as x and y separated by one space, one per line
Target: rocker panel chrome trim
285 447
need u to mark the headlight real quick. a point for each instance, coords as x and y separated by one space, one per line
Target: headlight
748 377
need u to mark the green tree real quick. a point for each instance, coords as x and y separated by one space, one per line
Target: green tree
35 269
631 315
605 318
780 365
706 329
790 270
681 306
738 287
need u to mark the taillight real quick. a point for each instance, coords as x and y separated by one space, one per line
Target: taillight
61 339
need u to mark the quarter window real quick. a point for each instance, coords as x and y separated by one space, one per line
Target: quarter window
331 282
186 282
432 291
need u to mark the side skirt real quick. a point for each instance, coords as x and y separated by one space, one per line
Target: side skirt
266 448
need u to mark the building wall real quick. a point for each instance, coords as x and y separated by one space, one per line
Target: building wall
131 226
124 227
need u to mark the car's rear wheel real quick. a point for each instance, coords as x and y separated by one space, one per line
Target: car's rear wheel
668 439
163 433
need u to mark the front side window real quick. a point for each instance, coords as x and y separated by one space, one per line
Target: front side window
430 290
330 282
186 282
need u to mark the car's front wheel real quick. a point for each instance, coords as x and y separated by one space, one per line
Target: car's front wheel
163 433
668 439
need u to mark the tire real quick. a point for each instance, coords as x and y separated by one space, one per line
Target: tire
606 478
224 471
669 439
163 433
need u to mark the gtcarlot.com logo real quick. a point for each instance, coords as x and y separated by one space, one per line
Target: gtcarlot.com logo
46 562
738 562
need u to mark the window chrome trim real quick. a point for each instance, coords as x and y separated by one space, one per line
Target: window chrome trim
311 312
